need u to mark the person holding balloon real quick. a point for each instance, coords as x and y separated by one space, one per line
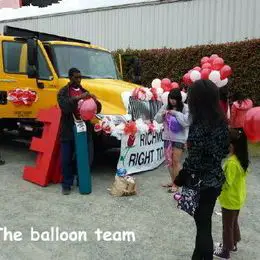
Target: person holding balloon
174 135
70 100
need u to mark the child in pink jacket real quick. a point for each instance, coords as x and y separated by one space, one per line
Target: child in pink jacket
239 109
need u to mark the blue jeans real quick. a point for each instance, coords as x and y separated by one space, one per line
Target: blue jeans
68 160
68 164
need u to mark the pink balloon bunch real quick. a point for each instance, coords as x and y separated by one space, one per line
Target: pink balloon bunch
212 68
162 88
165 84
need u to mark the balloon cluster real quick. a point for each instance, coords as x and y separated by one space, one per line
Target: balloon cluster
159 90
164 87
22 97
212 68
165 84
130 128
142 93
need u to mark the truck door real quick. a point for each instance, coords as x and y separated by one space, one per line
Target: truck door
13 76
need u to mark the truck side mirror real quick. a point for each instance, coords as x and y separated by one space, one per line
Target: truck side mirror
32 58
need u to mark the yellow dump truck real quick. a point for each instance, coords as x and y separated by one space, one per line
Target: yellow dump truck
40 62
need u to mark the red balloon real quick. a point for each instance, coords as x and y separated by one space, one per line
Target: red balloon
205 73
87 109
168 88
217 64
197 68
206 65
225 72
204 60
213 57
174 85
166 84
252 124
186 79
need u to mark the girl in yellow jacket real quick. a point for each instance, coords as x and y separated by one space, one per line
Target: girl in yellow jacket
233 195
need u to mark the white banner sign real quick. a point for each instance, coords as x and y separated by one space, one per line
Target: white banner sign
141 152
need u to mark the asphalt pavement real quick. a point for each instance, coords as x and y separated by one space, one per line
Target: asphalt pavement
41 223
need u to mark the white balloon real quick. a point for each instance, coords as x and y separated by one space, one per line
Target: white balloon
214 76
159 91
195 75
223 83
184 96
156 83
164 98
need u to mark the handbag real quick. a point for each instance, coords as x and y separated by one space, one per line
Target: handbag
188 201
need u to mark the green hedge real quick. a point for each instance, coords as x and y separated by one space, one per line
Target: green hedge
243 57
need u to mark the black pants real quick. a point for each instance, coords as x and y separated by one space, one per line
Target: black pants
68 160
204 242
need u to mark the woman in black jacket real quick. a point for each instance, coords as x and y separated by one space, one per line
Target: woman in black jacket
208 145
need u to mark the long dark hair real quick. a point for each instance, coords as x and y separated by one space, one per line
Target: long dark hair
175 94
239 141
239 97
203 101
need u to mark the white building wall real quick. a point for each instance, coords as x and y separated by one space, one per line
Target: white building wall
155 25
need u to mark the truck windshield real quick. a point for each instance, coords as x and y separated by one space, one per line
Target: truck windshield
92 63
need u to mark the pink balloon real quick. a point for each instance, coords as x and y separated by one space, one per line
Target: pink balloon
197 68
205 73
225 72
87 109
213 57
204 60
174 85
206 65
186 79
166 84
217 64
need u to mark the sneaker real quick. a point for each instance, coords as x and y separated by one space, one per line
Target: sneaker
234 250
221 253
66 191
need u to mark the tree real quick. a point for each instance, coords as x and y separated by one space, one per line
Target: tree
40 3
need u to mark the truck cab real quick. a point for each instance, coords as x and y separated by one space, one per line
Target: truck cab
40 62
